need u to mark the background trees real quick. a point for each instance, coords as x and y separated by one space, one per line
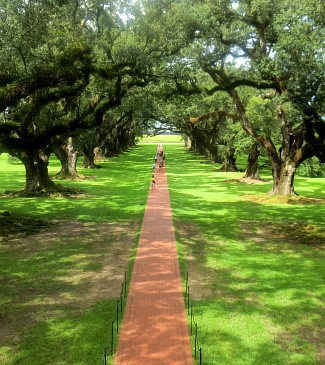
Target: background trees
49 67
66 65
249 44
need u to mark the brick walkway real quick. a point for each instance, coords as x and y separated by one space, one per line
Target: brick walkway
154 330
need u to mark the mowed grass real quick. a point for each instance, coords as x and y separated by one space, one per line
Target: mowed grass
59 288
118 191
256 267
256 264
163 138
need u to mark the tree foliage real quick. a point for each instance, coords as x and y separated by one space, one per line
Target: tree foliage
69 65
276 49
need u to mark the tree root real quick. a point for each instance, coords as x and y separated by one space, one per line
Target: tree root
58 192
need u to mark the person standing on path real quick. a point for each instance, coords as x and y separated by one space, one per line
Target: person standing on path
160 148
162 158
152 182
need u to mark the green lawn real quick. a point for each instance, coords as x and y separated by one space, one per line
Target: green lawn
122 179
59 287
256 266
163 138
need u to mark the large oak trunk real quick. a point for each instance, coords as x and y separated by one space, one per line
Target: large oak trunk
36 166
89 161
283 178
286 160
229 163
68 158
252 164
188 142
89 158
214 153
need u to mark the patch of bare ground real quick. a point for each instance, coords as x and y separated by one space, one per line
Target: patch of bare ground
284 235
275 199
247 180
316 336
99 259
57 192
280 199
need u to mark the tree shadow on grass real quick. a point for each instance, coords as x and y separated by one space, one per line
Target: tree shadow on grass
276 281
224 346
276 305
69 337
118 191
251 262
56 288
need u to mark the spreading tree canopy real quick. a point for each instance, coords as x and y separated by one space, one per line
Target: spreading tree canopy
65 65
276 49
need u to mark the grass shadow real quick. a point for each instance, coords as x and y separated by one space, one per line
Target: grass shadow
256 269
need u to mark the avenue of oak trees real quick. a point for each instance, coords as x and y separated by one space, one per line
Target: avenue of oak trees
80 75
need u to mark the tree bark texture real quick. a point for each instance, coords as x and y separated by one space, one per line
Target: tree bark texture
36 166
252 164
89 159
68 158
283 178
229 163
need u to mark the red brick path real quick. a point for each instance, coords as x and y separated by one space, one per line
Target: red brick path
154 330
